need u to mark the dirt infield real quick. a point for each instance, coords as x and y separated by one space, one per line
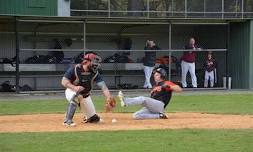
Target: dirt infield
53 122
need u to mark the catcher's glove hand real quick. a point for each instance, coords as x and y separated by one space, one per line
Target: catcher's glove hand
110 104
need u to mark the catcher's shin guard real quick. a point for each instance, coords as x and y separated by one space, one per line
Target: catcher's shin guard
70 112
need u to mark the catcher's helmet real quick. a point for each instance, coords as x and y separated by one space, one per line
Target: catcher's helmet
162 72
94 59
89 56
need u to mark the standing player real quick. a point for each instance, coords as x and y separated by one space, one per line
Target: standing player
188 63
78 81
153 107
209 66
149 62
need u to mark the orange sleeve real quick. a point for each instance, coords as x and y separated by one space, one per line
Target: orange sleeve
170 84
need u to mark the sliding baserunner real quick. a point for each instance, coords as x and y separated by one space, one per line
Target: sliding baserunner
154 106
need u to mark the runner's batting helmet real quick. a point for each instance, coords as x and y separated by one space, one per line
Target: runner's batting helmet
162 72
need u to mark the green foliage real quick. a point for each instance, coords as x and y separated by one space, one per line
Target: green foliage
125 141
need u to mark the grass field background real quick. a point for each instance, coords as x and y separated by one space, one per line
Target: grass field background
224 104
181 140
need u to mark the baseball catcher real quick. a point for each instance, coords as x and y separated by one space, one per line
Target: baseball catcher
78 81
153 107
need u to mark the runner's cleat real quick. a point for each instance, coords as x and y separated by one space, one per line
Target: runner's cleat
121 98
163 116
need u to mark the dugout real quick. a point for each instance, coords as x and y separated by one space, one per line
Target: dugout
27 37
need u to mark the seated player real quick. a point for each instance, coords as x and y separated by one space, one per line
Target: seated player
154 106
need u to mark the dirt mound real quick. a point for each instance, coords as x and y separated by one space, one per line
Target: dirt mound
53 122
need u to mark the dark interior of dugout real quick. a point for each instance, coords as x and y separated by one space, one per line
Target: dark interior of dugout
108 36
171 37
209 37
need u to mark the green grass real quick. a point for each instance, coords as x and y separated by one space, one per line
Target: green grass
125 141
224 104
182 140
32 106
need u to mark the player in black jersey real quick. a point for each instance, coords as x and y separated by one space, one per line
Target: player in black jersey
153 106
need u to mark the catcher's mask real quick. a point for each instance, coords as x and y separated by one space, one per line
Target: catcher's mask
162 72
95 61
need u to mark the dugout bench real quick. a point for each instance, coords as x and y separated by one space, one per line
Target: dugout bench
48 76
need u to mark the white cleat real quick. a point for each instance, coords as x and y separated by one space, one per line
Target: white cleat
72 124
121 98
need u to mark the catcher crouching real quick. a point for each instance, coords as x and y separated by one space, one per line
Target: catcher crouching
78 81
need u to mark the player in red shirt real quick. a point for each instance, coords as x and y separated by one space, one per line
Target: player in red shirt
188 63
153 106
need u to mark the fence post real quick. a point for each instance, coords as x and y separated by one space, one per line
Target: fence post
17 55
224 82
229 82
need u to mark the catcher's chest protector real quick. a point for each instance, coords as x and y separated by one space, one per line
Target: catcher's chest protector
84 79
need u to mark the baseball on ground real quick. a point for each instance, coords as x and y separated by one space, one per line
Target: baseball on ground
101 120
114 120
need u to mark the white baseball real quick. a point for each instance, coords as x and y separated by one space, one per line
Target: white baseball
101 120
114 120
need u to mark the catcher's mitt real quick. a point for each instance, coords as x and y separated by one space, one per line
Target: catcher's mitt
110 104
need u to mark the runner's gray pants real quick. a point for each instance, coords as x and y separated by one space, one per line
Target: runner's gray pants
151 107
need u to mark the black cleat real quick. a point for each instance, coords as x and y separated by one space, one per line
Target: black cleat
93 119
